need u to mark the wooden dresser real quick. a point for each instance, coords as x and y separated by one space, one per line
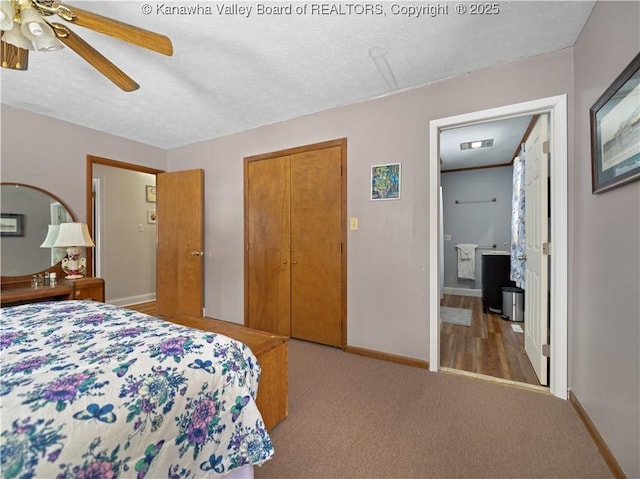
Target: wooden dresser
16 293
271 351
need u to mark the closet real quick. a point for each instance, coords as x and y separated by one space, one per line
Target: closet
295 242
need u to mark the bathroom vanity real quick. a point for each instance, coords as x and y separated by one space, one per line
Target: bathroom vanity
496 269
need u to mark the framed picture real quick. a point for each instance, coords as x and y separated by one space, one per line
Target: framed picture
385 181
615 132
151 216
151 194
11 224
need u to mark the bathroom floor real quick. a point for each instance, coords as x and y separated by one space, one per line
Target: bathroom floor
490 346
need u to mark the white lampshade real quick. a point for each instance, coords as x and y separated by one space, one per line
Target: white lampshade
73 234
52 235
16 38
33 25
48 44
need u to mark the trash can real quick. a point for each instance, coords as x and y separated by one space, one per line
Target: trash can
512 303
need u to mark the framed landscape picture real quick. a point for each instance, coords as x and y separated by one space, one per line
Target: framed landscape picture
11 224
615 132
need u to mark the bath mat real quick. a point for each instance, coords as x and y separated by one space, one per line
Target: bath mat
459 316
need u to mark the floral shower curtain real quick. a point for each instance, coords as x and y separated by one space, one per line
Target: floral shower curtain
517 222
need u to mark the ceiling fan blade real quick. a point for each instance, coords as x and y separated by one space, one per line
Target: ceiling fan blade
123 31
93 57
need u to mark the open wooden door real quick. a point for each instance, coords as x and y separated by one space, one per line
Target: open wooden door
536 238
179 266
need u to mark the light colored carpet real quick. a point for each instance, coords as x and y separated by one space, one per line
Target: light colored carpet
459 316
352 417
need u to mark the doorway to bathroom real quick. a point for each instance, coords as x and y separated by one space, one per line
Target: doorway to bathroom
555 339
476 244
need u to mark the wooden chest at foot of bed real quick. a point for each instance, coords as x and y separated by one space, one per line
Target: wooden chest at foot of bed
271 352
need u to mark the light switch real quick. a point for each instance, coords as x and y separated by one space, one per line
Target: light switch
353 224
447 237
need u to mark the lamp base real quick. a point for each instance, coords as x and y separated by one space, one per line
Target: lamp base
73 265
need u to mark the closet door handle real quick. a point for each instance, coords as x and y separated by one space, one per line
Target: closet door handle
284 262
522 257
294 262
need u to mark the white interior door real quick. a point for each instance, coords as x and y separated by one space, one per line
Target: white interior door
537 234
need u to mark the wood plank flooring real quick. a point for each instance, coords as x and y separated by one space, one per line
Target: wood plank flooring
146 308
489 346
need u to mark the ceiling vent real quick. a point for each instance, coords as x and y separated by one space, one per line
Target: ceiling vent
473 145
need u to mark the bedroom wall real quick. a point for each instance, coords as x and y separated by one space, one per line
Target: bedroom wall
55 159
387 257
475 223
389 252
605 231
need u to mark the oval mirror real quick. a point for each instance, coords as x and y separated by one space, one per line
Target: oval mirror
27 212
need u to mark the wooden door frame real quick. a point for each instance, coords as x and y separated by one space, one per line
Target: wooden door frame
96 160
342 143
556 107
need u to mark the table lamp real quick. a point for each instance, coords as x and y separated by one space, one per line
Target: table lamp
73 237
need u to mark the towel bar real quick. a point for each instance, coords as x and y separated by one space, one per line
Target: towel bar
461 202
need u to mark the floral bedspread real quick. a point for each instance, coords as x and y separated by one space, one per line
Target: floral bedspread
90 390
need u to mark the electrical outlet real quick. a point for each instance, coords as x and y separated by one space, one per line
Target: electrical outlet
140 227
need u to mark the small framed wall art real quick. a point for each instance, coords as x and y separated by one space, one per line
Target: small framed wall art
385 181
11 224
151 194
615 132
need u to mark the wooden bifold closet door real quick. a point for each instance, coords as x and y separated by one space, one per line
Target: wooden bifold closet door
295 257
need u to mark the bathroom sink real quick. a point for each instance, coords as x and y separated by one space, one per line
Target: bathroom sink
497 252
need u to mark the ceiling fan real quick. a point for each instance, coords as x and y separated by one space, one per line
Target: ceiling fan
26 24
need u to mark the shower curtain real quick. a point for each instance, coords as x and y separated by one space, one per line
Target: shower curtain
518 266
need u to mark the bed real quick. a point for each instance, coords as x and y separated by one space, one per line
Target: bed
91 390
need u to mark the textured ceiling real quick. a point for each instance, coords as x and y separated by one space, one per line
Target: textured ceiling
232 70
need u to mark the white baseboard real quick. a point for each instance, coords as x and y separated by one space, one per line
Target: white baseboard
141 298
463 292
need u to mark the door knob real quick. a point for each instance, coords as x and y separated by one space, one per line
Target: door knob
197 253
522 257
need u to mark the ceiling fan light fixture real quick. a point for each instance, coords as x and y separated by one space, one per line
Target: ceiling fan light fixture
24 26
16 38
33 26
48 44
12 57
6 15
